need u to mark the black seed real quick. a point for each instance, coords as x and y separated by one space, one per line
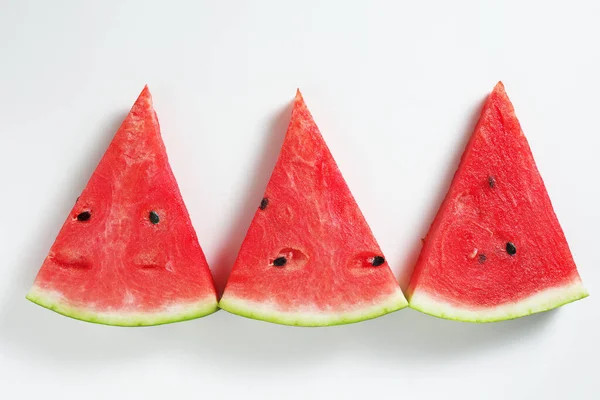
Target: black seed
154 217
482 258
511 249
264 203
84 216
491 181
280 261
377 261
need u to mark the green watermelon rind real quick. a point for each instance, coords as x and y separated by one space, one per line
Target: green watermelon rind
545 300
175 313
264 312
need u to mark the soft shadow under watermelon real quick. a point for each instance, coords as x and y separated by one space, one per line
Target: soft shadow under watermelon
403 339
238 345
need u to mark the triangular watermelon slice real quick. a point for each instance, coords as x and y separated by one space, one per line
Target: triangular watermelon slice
495 250
309 258
127 253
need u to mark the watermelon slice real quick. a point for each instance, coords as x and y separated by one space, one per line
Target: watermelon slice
309 258
495 250
127 253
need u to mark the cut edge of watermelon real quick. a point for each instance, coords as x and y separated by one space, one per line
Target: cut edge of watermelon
54 301
545 300
268 312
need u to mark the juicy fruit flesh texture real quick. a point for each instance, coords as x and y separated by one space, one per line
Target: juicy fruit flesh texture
497 198
312 220
118 260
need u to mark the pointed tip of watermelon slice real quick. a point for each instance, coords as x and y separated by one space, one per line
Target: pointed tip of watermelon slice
308 318
174 313
143 102
545 300
503 104
301 113
299 99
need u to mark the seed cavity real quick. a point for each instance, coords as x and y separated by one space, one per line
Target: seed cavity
150 266
491 181
482 258
70 261
511 249
153 217
280 261
84 216
290 257
264 203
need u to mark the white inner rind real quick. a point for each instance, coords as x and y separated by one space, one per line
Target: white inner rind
312 317
542 301
176 312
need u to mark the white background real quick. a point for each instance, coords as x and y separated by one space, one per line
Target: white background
395 88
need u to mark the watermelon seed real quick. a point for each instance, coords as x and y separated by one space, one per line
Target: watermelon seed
280 261
511 249
264 203
482 258
377 261
84 216
491 181
153 217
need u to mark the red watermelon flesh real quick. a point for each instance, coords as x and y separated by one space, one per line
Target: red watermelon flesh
495 250
309 258
127 253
